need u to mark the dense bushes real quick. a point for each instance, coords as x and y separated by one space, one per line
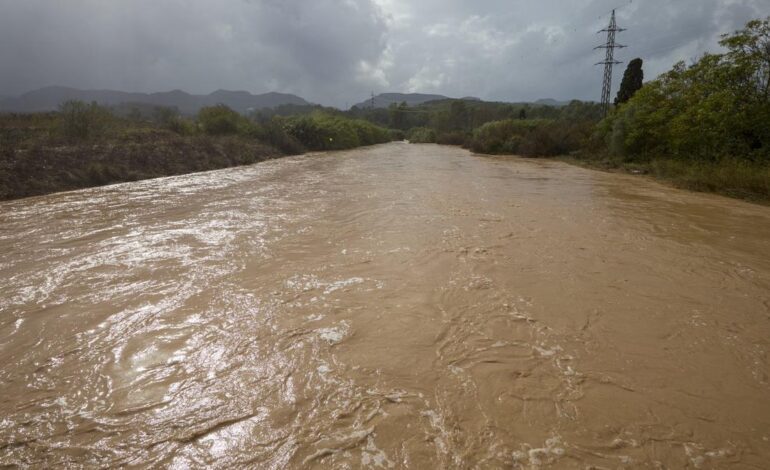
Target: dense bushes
396 134
502 127
86 145
272 133
501 136
421 135
221 120
321 131
535 138
448 116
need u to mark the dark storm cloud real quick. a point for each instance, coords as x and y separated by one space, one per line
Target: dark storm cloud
337 51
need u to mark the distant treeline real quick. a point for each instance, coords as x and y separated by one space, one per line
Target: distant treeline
524 129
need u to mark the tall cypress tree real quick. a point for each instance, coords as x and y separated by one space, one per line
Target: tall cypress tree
632 81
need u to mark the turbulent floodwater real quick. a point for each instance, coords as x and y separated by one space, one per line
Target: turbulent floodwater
392 307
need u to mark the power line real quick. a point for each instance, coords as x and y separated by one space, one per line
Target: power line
609 60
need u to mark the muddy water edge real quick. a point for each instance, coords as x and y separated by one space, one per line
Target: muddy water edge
399 306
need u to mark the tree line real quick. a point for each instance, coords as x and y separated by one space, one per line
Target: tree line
703 126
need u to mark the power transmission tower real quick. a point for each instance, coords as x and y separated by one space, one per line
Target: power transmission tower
371 105
609 60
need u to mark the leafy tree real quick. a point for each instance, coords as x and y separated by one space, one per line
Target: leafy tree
749 53
714 109
632 81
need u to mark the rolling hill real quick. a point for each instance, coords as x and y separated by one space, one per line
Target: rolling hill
384 100
49 99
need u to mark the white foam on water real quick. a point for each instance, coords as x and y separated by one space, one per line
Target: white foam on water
334 335
545 351
372 456
699 456
17 324
437 423
535 457
342 284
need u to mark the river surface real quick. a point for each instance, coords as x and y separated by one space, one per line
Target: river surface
399 306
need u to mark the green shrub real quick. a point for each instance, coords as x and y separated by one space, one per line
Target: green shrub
221 120
397 134
501 136
533 138
274 134
421 135
81 121
321 131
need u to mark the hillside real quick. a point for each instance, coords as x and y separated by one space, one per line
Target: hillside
49 99
384 100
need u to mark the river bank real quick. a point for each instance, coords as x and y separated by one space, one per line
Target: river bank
83 145
44 169
733 178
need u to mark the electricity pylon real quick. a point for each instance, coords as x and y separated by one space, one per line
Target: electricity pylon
609 60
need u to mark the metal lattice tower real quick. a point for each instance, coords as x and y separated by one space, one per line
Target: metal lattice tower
609 60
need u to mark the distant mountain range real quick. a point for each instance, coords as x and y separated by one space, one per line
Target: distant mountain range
384 100
414 99
49 99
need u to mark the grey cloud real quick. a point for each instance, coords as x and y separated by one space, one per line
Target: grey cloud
336 51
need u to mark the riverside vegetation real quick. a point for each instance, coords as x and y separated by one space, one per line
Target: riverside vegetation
86 145
704 126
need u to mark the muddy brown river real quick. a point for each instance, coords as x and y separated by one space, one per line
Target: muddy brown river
400 306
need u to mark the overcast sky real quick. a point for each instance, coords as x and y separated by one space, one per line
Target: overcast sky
336 52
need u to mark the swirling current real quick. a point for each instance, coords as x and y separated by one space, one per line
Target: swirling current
398 306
